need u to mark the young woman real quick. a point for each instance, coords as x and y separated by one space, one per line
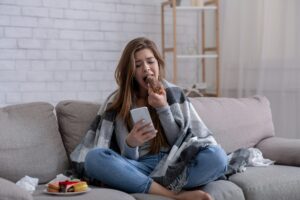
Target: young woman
143 159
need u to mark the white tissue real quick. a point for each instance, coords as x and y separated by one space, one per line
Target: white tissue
28 183
256 159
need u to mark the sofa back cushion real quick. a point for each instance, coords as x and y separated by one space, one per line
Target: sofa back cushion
30 143
74 119
234 122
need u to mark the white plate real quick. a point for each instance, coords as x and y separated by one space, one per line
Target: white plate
66 193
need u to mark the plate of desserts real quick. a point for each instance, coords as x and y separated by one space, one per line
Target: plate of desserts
67 187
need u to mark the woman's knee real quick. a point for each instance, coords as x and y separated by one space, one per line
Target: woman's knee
218 158
97 156
214 156
94 162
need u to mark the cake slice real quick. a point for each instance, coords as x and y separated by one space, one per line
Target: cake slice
80 186
67 186
53 187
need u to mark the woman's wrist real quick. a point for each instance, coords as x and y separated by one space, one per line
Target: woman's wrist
128 144
162 108
130 152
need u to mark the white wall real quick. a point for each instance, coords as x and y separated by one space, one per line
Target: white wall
52 50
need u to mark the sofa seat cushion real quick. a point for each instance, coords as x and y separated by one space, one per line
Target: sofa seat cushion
74 118
236 122
30 143
10 191
272 182
142 196
219 190
95 193
224 190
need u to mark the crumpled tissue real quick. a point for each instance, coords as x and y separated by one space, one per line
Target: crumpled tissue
256 159
28 183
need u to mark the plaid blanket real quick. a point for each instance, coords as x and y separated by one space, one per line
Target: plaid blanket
171 171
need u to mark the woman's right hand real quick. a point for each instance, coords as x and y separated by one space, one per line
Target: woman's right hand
140 133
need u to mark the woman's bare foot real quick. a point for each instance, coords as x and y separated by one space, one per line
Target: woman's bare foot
193 195
156 188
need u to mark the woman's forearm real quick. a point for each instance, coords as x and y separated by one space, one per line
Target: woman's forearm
168 123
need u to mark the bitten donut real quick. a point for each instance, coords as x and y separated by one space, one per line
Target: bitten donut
155 85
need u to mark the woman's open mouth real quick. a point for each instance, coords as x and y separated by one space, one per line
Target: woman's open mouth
145 78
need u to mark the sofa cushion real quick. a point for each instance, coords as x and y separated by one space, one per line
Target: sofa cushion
235 122
143 196
284 151
10 191
219 190
30 142
272 182
95 193
224 190
74 118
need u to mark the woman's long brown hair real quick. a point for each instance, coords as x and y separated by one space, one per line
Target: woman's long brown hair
127 87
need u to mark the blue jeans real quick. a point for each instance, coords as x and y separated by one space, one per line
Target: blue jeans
132 176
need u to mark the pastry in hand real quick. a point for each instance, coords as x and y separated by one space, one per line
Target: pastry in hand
155 84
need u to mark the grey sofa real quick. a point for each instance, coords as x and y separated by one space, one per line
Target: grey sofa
36 139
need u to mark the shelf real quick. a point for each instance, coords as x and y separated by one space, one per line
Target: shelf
207 52
197 56
196 8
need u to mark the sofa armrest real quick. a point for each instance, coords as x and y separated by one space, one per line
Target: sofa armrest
11 191
282 150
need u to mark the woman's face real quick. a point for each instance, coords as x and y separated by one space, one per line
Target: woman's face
145 65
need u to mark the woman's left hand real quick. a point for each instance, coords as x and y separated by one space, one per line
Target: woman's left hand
157 100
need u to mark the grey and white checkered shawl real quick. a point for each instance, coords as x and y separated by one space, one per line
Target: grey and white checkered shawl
171 171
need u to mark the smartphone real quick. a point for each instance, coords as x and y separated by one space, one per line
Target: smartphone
138 114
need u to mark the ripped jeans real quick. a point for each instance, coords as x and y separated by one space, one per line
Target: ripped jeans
132 176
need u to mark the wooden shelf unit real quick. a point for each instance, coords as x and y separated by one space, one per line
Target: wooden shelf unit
214 52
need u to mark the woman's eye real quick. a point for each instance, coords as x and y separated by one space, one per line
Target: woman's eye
150 62
137 65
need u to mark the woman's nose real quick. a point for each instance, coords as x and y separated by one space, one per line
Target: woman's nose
146 67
